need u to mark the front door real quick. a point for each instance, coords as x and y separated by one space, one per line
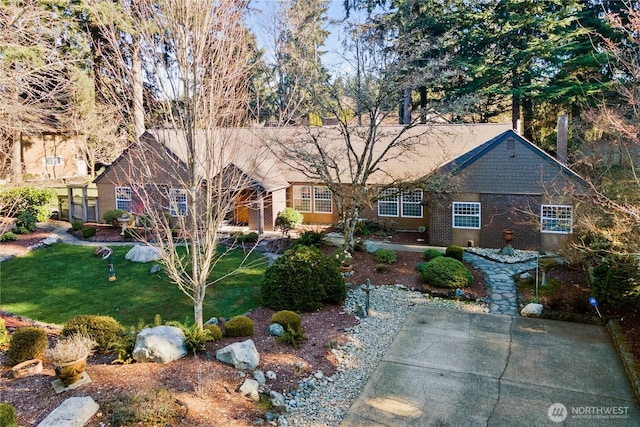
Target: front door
241 209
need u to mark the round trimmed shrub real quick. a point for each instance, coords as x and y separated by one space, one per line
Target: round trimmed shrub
386 256
287 319
77 225
430 254
239 326
288 219
26 222
454 251
214 331
111 216
7 415
102 329
89 232
301 280
27 343
445 272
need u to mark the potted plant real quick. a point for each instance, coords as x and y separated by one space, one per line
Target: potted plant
344 259
69 357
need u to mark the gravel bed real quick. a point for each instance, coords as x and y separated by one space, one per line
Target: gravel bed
320 400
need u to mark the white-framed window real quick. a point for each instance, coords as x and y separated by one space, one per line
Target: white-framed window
556 219
412 204
52 160
466 215
388 202
177 202
302 198
123 198
322 200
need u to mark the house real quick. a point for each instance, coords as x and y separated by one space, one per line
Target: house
506 183
489 179
272 185
48 151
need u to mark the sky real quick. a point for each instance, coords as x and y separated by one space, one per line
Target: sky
259 23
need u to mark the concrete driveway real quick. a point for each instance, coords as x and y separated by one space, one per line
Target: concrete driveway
453 368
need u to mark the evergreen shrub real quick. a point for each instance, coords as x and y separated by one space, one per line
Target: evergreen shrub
446 272
287 319
239 326
104 330
301 280
27 343
455 252
430 254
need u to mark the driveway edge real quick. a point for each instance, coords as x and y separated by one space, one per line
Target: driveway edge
626 356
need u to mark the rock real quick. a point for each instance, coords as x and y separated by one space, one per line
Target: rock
282 421
50 241
370 246
143 253
250 389
242 355
276 329
259 376
525 275
162 344
459 292
155 269
319 375
531 310
212 321
277 399
271 375
73 412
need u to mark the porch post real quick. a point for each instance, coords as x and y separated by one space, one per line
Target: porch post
260 213
85 206
70 196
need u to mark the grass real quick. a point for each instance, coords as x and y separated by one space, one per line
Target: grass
52 285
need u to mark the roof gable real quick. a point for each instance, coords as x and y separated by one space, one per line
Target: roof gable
510 164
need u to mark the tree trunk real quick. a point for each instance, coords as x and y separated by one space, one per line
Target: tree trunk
136 74
423 104
515 111
406 110
527 117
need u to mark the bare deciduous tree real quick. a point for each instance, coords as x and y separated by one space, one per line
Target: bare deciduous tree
189 176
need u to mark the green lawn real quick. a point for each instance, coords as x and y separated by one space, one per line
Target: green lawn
53 284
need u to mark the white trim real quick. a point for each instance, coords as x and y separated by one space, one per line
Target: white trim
178 202
412 203
555 209
124 191
478 215
387 201
298 197
315 199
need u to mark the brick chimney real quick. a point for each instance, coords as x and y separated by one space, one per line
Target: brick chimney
563 136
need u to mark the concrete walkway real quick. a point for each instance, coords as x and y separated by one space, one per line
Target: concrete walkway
453 368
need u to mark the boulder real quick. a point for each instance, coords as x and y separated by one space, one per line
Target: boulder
212 321
276 329
250 389
155 269
242 355
143 253
50 241
162 344
531 310
271 375
370 246
73 412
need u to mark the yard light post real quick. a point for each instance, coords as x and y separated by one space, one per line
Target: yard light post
367 288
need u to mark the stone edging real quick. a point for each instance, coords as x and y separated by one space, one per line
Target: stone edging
626 356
